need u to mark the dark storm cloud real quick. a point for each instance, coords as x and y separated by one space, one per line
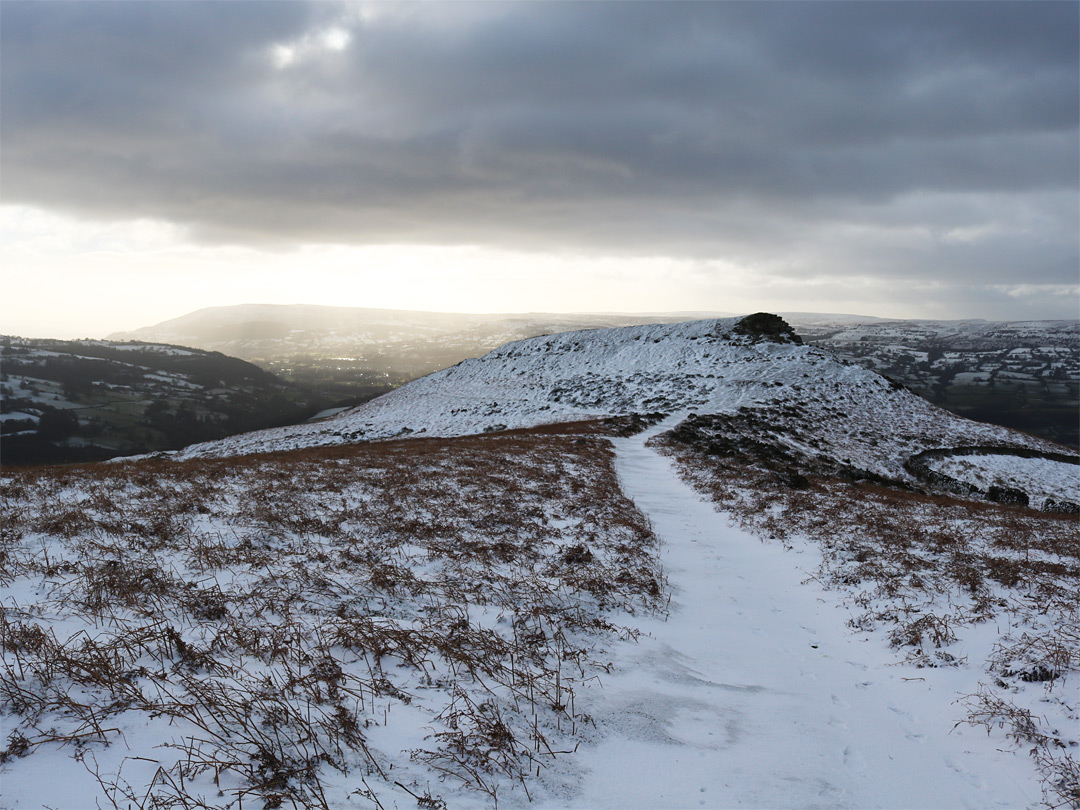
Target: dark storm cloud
736 130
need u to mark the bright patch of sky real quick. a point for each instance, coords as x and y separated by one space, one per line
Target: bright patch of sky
309 46
69 278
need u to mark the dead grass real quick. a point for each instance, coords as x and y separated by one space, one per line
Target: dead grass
272 611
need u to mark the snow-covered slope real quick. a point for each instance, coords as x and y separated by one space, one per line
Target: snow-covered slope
707 366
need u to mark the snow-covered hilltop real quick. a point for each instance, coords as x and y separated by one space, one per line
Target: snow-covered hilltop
820 405
1023 374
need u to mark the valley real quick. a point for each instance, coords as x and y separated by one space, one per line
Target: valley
88 400
1024 375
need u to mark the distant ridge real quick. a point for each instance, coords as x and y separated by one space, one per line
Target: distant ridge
213 324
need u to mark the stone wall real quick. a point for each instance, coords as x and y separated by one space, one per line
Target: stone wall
919 466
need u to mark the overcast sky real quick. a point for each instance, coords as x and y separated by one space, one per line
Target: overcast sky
913 159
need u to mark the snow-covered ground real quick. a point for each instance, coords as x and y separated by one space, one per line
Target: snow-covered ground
391 623
326 414
755 693
32 417
188 591
414 614
39 392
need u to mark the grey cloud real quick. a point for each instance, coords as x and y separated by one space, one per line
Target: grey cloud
706 129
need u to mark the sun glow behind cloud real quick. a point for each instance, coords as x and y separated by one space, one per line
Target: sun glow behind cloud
310 46
68 277
71 278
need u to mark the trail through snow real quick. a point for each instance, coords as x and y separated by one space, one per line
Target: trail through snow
755 693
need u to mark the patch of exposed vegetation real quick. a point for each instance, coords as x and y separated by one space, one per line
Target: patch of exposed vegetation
266 620
782 441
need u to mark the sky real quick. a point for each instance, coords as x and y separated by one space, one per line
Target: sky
910 159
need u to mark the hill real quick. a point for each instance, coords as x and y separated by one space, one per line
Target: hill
350 350
1024 375
753 370
90 399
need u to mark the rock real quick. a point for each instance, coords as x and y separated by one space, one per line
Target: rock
767 327
1008 495
1061 507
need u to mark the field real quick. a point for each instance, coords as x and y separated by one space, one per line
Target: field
314 628
489 620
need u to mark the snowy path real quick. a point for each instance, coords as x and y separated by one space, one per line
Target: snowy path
754 693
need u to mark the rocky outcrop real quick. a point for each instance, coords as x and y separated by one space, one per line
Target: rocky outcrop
1061 507
764 326
1010 495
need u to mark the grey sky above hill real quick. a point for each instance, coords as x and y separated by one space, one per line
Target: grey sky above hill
919 149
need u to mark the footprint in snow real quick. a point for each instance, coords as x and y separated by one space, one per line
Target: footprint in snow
853 759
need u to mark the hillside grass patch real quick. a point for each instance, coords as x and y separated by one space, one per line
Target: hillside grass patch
294 629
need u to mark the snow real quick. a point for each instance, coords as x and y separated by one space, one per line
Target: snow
755 694
326 413
4 417
48 392
750 690
379 559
